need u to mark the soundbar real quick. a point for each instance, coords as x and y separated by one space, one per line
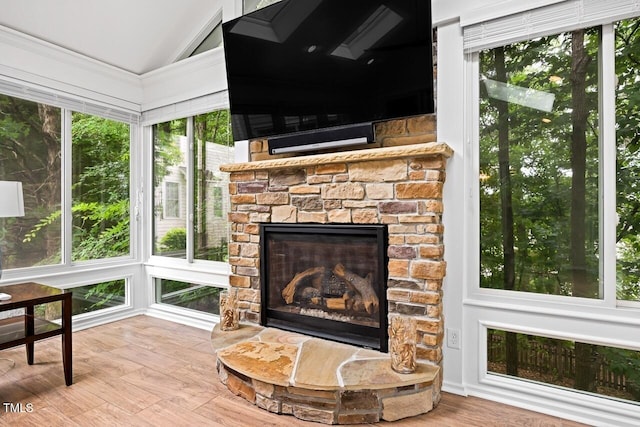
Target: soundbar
342 136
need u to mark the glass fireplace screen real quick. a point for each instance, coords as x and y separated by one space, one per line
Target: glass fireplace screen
326 280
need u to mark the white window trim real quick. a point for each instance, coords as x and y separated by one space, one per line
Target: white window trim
606 321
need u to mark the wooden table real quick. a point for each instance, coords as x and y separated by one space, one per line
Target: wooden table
27 329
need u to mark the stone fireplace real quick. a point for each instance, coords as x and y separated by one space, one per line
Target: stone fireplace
396 187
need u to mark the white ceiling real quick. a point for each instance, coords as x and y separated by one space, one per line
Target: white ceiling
134 35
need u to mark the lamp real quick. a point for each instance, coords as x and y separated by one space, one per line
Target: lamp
11 203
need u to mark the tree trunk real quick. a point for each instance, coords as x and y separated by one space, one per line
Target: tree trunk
506 205
582 286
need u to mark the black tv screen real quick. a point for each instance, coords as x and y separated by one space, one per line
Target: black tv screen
310 65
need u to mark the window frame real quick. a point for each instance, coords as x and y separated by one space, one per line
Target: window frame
606 321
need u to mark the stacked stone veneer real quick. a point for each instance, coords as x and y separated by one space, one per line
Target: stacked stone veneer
398 183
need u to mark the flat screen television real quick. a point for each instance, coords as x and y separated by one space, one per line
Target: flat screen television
312 74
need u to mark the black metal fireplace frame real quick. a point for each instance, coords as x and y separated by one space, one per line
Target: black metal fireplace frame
361 335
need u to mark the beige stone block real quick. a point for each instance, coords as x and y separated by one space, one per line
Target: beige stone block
271 405
432 354
343 191
403 229
420 219
304 189
397 239
251 228
434 206
331 169
243 199
241 217
409 140
242 176
360 204
434 228
434 175
417 175
316 415
260 217
317 217
339 216
419 190
250 295
432 162
319 179
379 191
418 239
341 178
332 204
264 389
234 249
431 251
240 237
397 407
388 219
422 124
425 298
256 146
244 262
391 127
267 362
398 268
240 388
239 281
287 214
379 171
434 310
430 326
428 269
398 295
365 216
279 198
250 250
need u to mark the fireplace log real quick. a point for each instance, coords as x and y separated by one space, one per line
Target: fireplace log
290 290
360 284
335 303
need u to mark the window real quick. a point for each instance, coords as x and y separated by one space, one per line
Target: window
170 165
190 219
609 371
539 165
627 51
100 187
188 295
211 228
30 147
33 149
171 200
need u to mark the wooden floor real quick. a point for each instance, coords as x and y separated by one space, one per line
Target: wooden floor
149 372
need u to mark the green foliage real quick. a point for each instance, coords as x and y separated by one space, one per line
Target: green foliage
539 168
174 239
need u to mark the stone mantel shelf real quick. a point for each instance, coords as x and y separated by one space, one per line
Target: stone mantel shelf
384 153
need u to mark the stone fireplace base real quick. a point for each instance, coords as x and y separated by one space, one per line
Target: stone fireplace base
319 380
398 185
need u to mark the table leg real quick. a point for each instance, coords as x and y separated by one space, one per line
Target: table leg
67 359
29 331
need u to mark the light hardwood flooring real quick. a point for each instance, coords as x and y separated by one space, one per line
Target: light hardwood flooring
145 371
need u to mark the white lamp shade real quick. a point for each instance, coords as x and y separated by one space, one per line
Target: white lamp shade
11 201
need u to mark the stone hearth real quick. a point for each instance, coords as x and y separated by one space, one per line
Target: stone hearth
399 183
318 380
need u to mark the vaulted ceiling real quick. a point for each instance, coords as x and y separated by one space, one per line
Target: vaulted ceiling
134 35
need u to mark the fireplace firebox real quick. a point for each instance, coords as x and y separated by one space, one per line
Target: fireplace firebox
326 280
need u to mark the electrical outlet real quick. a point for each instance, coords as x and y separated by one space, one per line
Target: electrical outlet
453 338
